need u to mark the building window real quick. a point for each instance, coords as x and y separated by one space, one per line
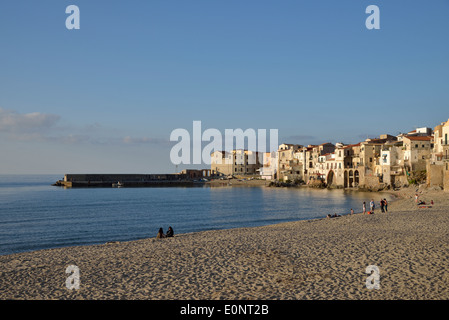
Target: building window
416 146
339 166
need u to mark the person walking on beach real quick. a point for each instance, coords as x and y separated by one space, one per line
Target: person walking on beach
364 207
160 234
382 204
386 205
371 205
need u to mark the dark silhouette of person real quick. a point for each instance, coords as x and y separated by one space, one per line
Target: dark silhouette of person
160 234
170 232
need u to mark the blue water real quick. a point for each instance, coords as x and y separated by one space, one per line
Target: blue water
35 215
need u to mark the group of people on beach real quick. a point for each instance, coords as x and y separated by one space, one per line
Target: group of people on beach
383 207
161 233
421 202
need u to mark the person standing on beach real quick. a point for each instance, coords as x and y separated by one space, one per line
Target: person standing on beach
364 207
382 204
386 205
371 205
352 211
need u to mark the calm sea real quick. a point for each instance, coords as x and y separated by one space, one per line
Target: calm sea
35 215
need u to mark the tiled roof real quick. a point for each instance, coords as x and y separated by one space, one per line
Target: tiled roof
351 145
419 138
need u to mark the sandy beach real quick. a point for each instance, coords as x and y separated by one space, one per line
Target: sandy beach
317 259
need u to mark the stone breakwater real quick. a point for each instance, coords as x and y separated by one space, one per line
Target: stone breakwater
127 180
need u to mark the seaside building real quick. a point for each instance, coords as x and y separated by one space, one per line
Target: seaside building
299 163
370 154
353 165
304 156
387 161
417 150
391 164
315 156
196 173
268 171
332 168
221 163
441 142
437 169
289 166
236 162
424 131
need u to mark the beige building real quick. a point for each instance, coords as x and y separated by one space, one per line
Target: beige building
289 166
391 164
369 163
417 151
296 162
374 163
313 158
236 162
441 142
268 171
438 164
353 165
331 168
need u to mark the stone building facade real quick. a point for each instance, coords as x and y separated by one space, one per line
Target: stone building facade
236 162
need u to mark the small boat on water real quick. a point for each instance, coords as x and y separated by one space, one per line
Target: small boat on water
117 185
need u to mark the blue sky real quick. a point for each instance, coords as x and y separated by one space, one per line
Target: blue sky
105 98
